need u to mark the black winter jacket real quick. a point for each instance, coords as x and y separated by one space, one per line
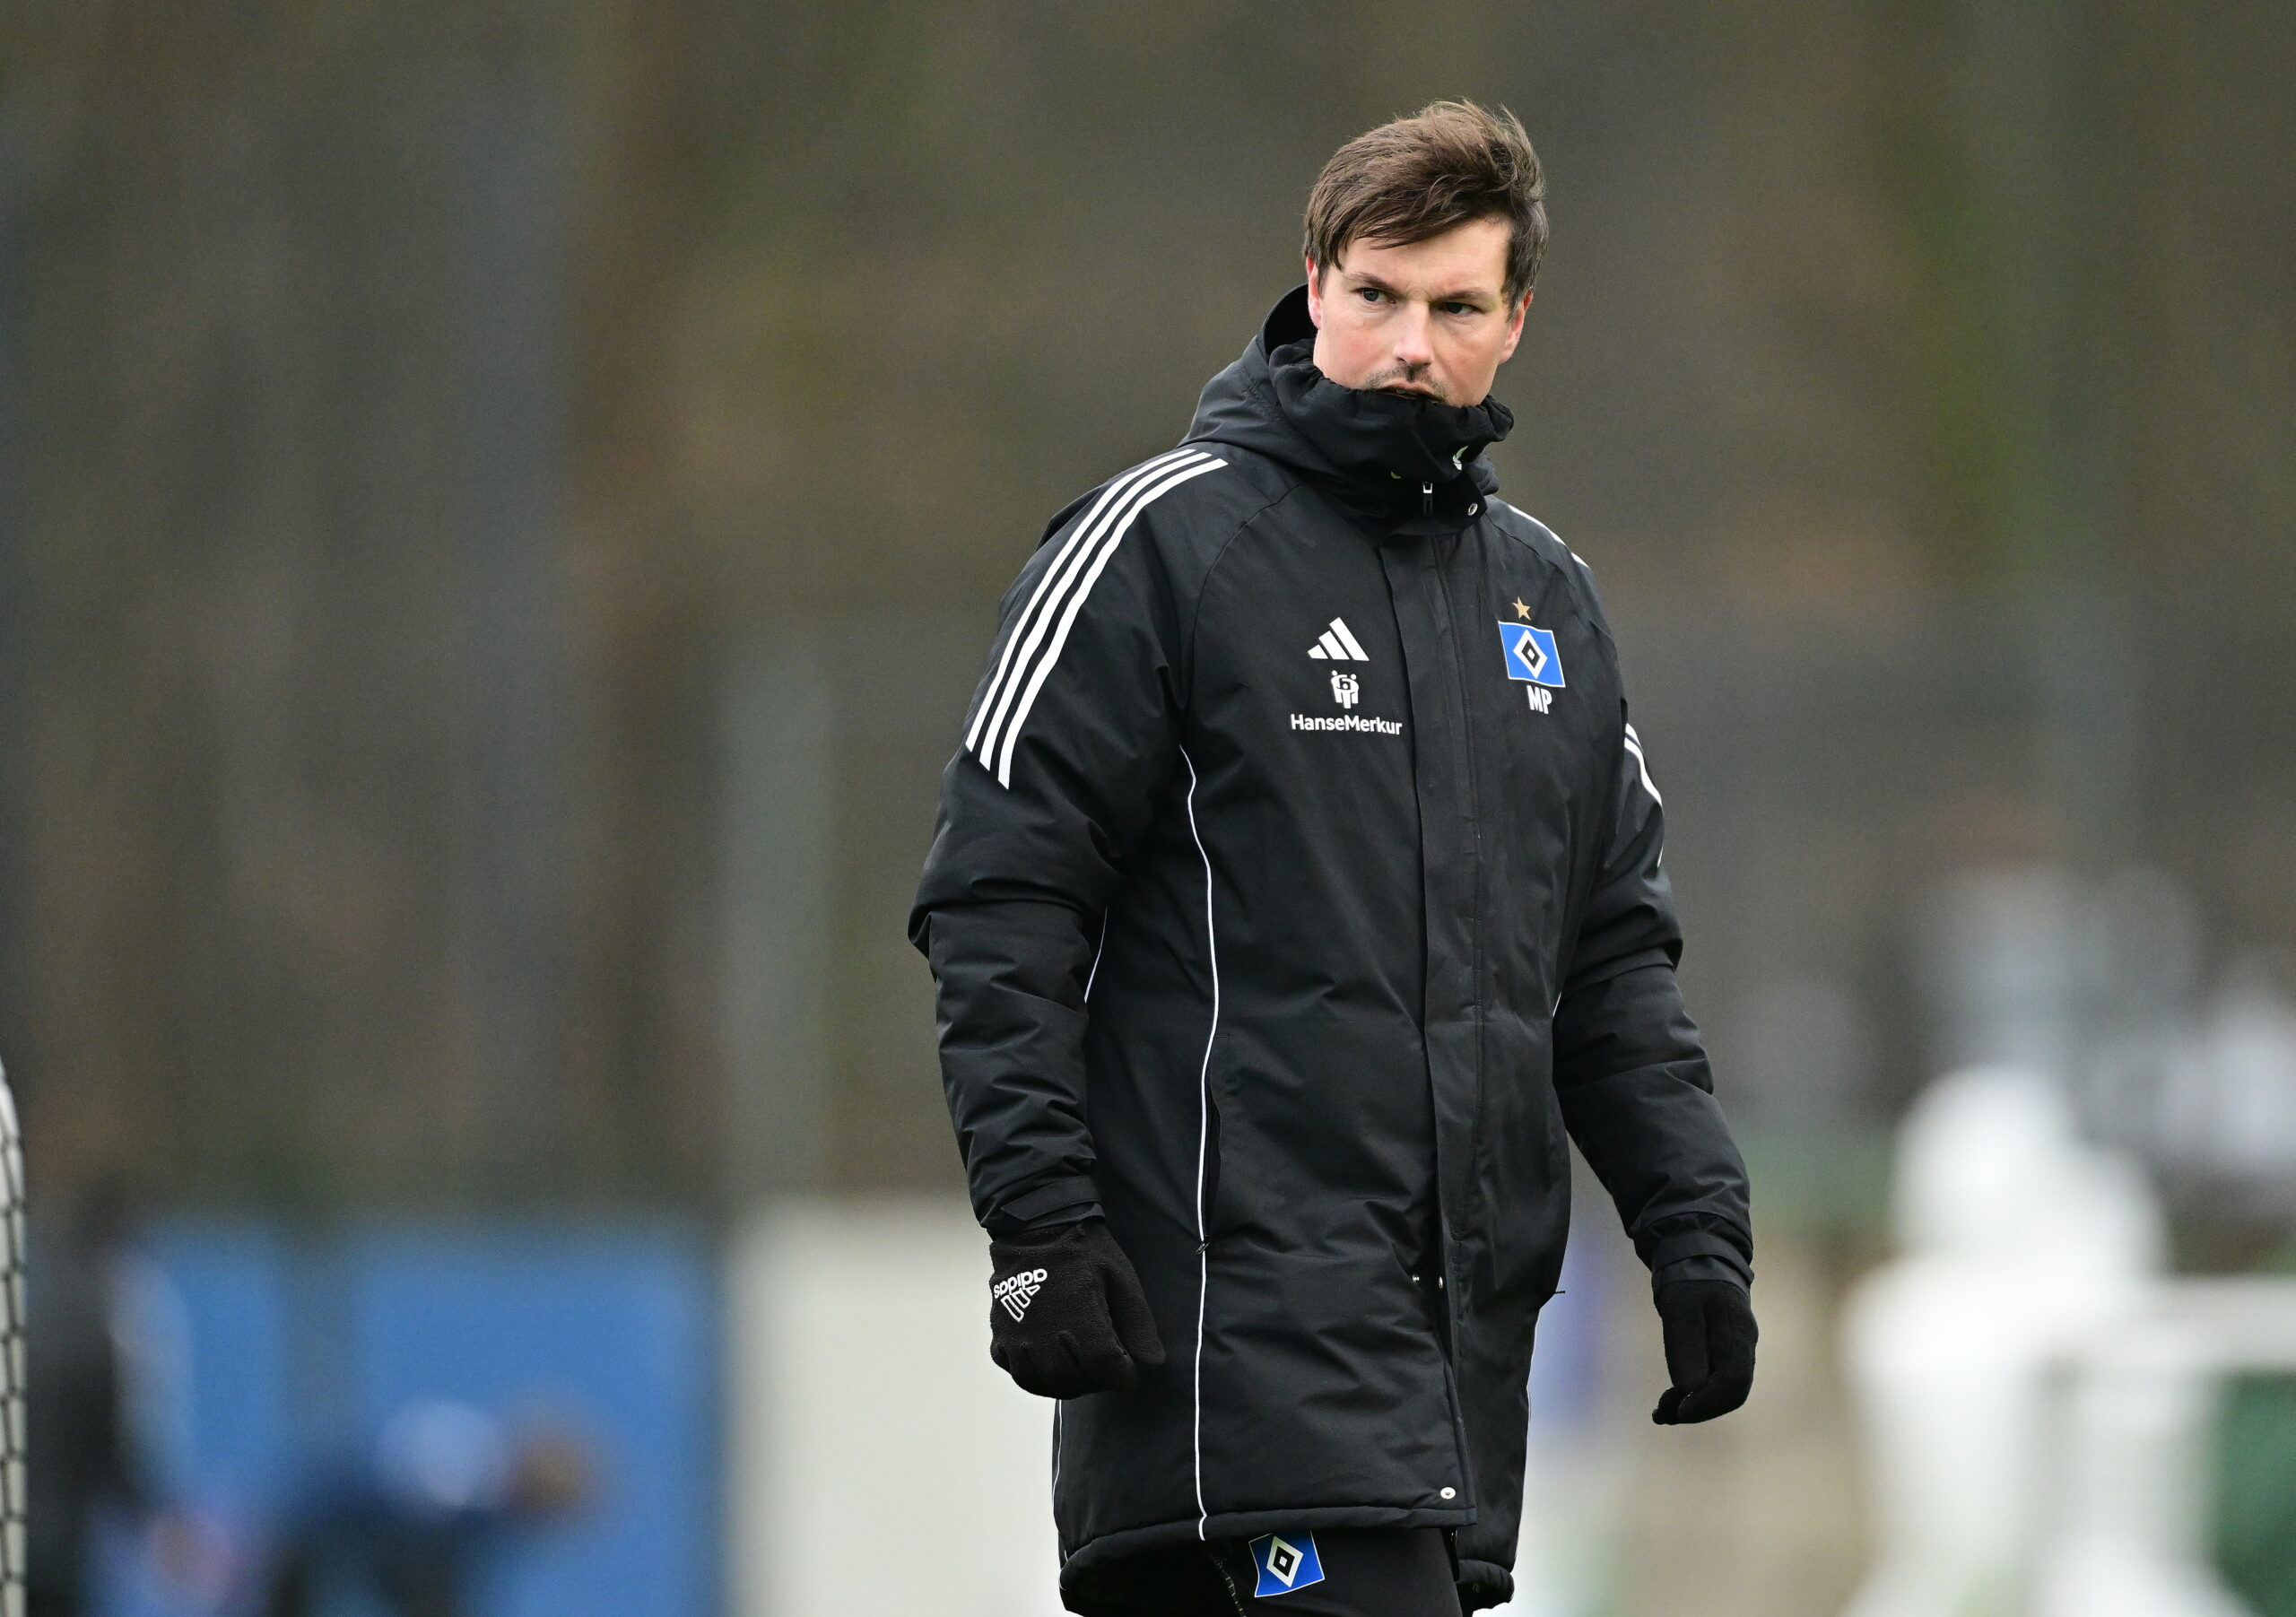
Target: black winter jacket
1296 892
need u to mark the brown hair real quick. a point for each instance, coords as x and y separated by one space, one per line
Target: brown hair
1447 164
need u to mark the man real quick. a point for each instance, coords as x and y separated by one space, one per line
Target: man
412 1526
1295 893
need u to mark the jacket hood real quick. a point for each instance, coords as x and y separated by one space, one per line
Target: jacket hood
1378 451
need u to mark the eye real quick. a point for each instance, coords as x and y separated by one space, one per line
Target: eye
1370 294
1458 308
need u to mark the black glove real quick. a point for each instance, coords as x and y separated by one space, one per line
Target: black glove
1066 1313
1710 1326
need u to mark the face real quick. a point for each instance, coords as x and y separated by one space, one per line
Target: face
1429 320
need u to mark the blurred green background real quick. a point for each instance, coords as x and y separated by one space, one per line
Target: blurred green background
502 505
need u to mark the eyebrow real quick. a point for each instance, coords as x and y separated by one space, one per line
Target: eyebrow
1470 295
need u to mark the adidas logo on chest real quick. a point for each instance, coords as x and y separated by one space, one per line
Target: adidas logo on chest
1337 645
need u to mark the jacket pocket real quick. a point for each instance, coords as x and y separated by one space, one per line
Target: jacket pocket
1207 1206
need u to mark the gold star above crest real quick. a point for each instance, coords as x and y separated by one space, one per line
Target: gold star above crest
1522 611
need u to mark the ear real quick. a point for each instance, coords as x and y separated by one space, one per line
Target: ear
1315 294
1515 328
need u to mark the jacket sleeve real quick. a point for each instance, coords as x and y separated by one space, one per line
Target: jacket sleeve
1629 1069
1070 736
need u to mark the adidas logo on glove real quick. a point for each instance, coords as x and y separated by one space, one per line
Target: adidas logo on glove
1016 1291
1066 1313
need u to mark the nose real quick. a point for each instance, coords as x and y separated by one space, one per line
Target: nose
1411 333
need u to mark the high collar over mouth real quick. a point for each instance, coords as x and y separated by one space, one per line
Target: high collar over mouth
1405 460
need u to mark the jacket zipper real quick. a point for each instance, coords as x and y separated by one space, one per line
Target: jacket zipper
1475 960
1427 499
1475 969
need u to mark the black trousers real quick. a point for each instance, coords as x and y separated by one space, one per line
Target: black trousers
1338 1572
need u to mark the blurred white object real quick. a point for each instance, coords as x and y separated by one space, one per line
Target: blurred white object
2021 1244
879 1465
2227 1114
2039 1398
2130 1539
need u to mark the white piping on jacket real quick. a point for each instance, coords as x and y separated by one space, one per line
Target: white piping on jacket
1202 1141
1094 975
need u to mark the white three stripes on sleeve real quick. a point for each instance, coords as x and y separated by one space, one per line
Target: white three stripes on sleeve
1634 745
1027 628
1041 628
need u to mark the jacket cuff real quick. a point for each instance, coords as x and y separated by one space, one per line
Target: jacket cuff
1665 1252
1707 1266
1068 1201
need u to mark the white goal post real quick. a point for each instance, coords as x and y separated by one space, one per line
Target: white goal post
12 1357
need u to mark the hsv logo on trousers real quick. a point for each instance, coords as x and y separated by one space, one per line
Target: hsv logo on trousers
1283 1566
